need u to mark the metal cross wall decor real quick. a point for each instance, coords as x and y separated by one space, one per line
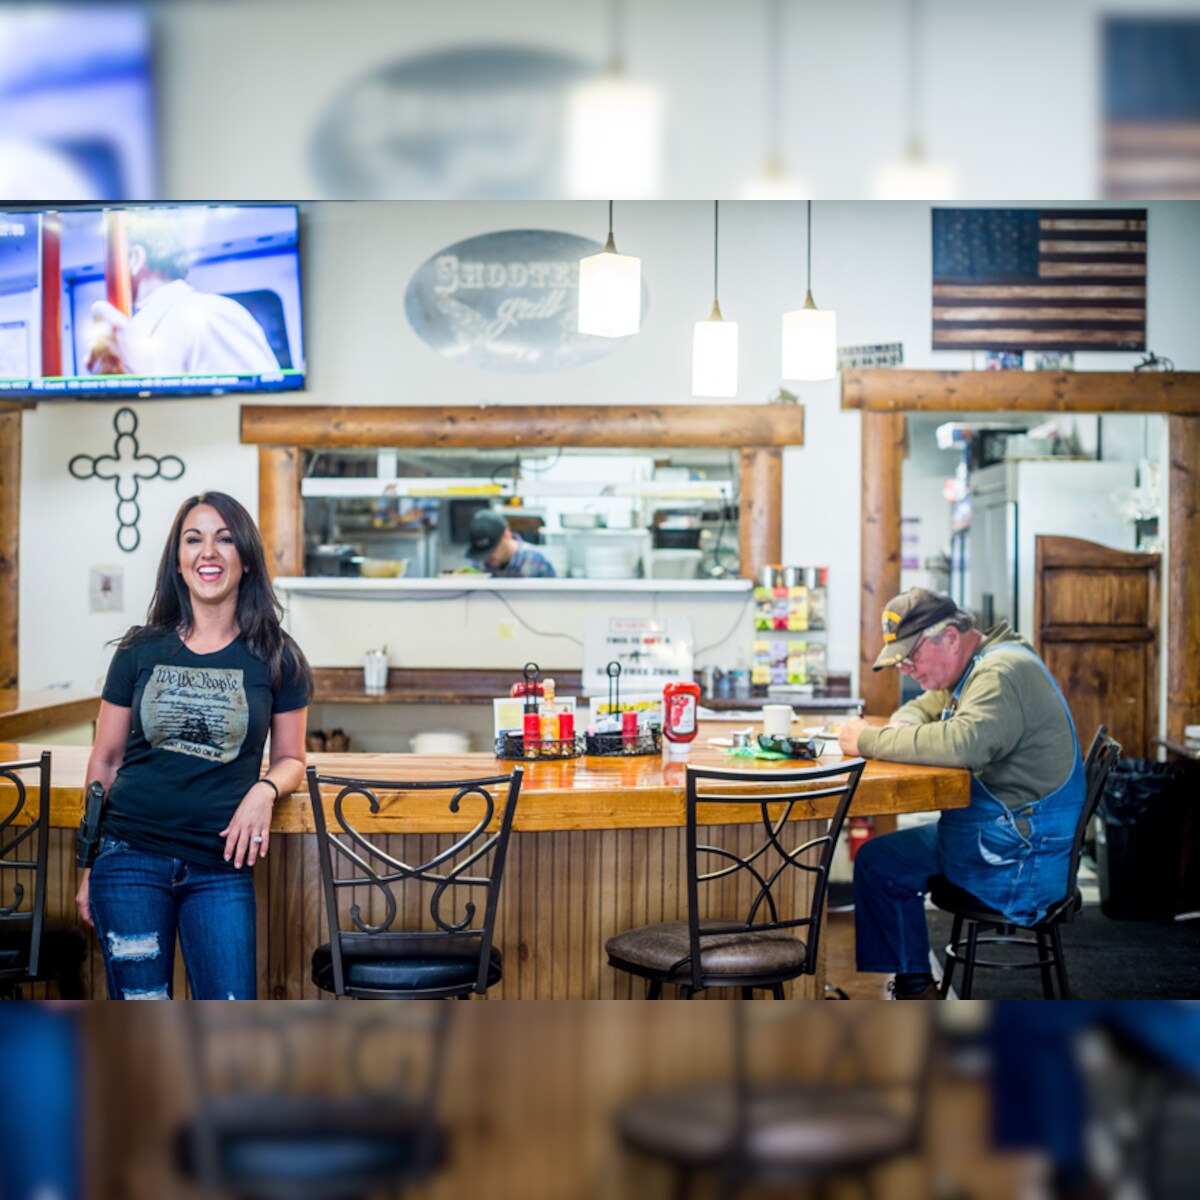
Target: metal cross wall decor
126 467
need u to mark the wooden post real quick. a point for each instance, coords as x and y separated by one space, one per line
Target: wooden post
280 509
1183 623
760 519
1183 574
10 537
882 459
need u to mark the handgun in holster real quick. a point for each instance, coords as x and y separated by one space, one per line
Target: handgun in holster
87 840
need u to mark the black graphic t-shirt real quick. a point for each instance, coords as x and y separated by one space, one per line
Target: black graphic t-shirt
199 725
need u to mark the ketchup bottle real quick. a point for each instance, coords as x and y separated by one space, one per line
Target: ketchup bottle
680 702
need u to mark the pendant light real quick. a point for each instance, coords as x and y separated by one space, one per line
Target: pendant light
774 182
915 176
715 341
610 290
809 334
614 130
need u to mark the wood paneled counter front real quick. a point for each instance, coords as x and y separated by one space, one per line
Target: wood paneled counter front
598 849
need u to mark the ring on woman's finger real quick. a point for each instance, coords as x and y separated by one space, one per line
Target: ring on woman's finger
256 838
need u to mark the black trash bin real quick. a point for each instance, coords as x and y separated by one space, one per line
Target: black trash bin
1139 842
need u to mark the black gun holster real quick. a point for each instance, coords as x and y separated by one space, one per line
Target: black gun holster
87 840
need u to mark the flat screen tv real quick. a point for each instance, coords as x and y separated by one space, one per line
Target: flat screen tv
150 301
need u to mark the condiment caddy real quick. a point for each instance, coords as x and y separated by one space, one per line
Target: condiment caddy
547 731
620 733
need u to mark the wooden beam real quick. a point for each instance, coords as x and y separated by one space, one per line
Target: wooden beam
892 390
1183 577
513 426
10 543
281 510
882 459
760 516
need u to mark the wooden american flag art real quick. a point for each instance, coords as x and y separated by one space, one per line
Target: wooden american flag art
1039 279
1152 107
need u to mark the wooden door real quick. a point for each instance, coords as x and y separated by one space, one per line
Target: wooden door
1096 617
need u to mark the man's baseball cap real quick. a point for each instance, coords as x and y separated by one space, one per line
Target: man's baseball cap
485 531
906 617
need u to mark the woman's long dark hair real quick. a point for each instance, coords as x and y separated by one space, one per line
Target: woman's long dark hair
259 613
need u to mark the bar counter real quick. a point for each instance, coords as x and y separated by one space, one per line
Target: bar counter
28 714
598 849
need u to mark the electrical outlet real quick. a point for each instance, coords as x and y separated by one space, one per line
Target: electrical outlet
506 630
106 589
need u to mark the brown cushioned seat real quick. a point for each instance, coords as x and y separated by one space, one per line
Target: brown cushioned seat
792 1129
664 949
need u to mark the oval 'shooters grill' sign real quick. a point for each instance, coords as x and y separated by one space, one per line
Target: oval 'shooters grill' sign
507 301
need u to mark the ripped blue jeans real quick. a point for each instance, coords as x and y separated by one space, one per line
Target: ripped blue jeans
139 902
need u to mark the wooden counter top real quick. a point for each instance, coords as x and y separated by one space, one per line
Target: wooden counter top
578 794
454 685
25 714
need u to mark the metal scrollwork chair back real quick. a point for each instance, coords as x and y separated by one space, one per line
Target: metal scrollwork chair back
31 949
313 1101
453 893
742 928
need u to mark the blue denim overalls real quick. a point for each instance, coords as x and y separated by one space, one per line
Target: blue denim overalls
1015 860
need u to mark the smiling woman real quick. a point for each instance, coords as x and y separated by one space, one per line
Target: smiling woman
189 701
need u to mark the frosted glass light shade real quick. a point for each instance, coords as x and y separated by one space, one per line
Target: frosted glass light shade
610 294
809 344
715 358
915 177
614 140
774 183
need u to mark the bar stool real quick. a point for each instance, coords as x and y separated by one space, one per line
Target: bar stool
752 943
454 955
32 949
859 1102
308 1101
1046 942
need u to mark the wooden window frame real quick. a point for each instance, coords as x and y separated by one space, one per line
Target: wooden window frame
884 395
758 431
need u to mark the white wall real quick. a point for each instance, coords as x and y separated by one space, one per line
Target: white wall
504 629
1008 94
871 264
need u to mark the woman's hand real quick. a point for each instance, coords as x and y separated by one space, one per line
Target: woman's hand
248 835
83 896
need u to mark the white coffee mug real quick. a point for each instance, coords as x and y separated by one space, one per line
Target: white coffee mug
777 720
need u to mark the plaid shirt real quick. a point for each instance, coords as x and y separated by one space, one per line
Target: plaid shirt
527 562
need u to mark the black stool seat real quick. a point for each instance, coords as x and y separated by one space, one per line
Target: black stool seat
733 950
958 901
790 1130
64 948
303 1148
446 963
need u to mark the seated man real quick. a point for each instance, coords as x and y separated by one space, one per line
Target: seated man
990 705
1039 1090
496 549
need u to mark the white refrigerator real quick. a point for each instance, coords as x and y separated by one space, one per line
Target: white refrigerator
1011 504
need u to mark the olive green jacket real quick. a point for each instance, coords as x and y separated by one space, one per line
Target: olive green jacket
1009 727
